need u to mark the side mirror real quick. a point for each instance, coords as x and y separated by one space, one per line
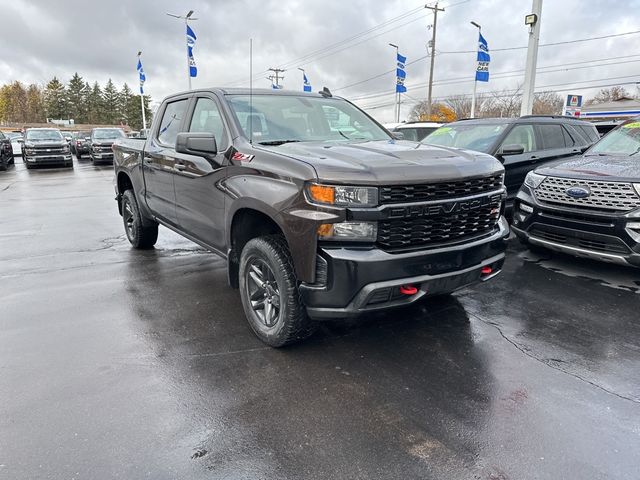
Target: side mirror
398 135
507 150
21 140
201 144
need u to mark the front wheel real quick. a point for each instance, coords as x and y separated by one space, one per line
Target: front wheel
140 234
269 292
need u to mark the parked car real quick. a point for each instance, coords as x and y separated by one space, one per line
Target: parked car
6 152
81 143
416 131
313 222
100 144
45 146
588 206
16 142
521 144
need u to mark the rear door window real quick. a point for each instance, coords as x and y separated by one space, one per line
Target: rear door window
171 121
552 136
590 132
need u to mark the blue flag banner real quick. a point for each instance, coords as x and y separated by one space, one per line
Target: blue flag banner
401 75
482 71
191 41
306 86
141 75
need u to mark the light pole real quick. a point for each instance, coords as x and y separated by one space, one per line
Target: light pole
397 102
475 82
435 11
533 21
186 19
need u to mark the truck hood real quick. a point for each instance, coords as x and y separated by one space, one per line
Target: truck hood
103 143
591 167
389 162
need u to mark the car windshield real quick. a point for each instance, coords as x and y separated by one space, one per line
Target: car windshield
622 141
278 119
478 137
82 134
54 135
108 134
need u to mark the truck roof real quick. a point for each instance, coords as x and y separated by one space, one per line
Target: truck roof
255 91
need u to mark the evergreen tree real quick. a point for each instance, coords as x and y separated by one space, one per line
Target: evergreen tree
55 99
35 112
95 105
76 96
17 104
125 97
111 101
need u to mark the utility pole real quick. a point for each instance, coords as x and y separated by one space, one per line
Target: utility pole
435 10
276 76
533 21
397 102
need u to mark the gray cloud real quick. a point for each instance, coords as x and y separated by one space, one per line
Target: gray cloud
100 40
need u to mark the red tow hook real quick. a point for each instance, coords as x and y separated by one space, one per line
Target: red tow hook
486 270
408 289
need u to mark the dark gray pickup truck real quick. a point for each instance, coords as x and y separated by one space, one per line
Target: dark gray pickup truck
318 210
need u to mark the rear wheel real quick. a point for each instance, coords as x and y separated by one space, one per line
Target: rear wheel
269 292
141 232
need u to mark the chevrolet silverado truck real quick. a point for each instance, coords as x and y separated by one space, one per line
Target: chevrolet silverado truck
588 206
318 210
45 146
100 144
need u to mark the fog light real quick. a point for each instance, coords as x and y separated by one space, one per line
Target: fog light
526 208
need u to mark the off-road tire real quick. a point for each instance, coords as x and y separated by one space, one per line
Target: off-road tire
142 233
292 323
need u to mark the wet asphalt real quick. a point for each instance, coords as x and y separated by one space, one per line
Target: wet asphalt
116 363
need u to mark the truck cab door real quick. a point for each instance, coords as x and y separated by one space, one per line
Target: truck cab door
199 201
159 161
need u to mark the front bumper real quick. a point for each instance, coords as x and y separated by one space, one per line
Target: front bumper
103 156
578 232
355 281
48 160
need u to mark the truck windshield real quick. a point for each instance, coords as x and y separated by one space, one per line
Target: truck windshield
108 134
278 119
623 141
54 135
478 137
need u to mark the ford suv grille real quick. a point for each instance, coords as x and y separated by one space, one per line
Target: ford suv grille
610 197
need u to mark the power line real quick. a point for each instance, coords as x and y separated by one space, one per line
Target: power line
518 73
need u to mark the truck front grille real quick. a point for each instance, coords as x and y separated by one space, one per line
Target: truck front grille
439 191
48 151
612 197
433 231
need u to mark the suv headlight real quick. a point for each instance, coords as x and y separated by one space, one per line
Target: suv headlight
533 180
341 196
349 231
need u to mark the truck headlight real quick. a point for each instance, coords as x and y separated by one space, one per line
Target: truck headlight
66 149
342 196
29 151
533 180
349 231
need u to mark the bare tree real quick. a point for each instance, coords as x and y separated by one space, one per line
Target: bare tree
460 104
547 103
609 95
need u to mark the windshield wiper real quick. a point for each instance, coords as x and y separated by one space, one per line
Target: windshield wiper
638 150
278 142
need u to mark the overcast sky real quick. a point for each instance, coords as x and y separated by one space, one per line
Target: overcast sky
100 39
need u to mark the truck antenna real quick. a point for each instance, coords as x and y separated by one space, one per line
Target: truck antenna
251 91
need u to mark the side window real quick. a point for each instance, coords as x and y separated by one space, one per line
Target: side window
207 119
568 139
590 132
1 136
522 135
170 123
552 136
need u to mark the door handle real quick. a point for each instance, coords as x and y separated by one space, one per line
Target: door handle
180 166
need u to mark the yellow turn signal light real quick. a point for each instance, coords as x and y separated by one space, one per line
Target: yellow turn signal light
322 193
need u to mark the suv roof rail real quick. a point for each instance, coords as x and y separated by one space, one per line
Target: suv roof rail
550 116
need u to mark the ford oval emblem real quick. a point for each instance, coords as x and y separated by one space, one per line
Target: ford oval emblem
578 192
